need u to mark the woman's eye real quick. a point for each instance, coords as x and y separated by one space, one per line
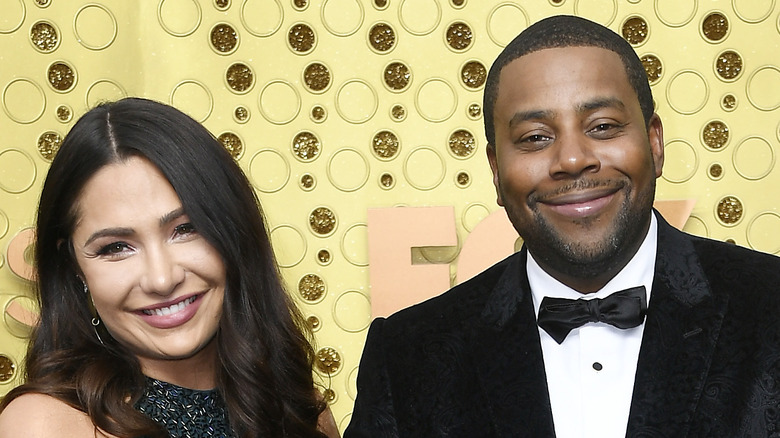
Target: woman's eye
112 248
184 229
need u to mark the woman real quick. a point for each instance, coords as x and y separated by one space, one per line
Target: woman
162 309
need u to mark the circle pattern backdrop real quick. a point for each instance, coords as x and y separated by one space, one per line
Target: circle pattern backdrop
332 106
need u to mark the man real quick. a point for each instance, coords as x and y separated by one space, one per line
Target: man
691 348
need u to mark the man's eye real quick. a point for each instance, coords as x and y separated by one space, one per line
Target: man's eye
536 138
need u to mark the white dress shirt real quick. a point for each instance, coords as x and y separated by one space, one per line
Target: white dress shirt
590 375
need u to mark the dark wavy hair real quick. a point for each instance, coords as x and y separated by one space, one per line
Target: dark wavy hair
566 31
265 357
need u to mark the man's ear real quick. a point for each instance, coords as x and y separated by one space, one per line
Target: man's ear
493 160
655 135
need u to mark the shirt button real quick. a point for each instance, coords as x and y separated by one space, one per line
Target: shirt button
597 366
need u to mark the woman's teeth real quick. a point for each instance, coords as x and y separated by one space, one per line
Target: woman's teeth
174 308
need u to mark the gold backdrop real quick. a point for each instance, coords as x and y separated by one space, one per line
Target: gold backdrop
336 106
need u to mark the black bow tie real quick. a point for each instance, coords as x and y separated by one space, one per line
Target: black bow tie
624 309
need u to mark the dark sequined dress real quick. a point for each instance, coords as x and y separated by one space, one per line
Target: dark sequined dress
185 413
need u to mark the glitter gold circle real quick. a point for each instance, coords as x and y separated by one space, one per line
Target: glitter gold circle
313 322
729 102
385 145
329 395
458 3
48 144
7 368
61 76
386 181
311 287
323 257
473 74
328 360
462 143
307 182
301 38
475 110
635 30
715 26
397 76
224 38
240 77
222 4
241 114
316 76
380 4
381 37
43 3
306 146
729 65
715 134
730 210
318 113
398 112
300 4
653 67
459 36
64 113
322 221
716 171
232 143
44 37
463 179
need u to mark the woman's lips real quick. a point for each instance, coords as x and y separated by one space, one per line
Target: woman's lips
173 314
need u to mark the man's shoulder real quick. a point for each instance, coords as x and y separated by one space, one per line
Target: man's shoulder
735 256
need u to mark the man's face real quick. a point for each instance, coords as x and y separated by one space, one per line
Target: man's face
574 163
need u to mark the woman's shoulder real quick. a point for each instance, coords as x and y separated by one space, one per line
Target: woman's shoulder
39 415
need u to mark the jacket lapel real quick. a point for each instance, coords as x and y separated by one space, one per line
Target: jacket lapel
507 358
681 330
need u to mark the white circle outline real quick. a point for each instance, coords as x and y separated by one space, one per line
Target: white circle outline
330 175
8 112
706 91
771 164
34 175
441 160
750 81
286 166
261 34
110 15
260 102
202 86
170 31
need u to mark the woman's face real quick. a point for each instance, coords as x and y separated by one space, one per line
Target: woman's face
156 283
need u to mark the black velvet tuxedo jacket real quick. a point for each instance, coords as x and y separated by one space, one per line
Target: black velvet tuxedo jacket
469 363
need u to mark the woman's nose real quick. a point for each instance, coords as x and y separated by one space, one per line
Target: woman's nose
162 272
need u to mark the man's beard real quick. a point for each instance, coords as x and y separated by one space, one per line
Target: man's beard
553 249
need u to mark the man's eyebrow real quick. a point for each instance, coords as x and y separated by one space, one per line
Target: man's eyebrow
523 116
605 102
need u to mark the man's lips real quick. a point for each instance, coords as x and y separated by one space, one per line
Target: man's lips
580 203
578 196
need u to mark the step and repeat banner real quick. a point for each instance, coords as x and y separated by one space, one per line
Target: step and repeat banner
360 121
